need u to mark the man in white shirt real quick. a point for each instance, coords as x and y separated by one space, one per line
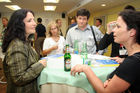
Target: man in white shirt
5 23
59 22
99 25
82 32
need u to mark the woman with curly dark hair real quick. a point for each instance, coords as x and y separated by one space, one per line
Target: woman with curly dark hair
21 63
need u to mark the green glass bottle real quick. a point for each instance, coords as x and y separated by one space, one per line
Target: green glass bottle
84 52
75 46
67 59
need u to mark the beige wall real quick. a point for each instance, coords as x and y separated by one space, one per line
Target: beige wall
46 17
111 15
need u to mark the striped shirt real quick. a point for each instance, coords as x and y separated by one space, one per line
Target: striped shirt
77 34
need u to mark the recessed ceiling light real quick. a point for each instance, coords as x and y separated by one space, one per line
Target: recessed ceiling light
13 7
50 1
5 0
103 4
49 8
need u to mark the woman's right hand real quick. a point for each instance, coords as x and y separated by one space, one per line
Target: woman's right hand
110 27
79 68
43 62
55 47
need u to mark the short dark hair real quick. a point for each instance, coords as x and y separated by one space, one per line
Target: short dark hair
83 12
39 20
57 20
100 20
130 7
15 28
132 20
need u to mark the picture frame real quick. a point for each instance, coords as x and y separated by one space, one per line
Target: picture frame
103 18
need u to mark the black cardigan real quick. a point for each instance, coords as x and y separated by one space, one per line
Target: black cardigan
106 41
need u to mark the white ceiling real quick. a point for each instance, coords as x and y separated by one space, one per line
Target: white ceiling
64 5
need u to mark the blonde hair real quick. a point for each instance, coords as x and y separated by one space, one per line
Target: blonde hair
52 23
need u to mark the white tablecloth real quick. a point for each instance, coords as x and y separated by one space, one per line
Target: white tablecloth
60 88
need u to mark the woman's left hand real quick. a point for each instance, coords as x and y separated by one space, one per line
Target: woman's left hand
118 59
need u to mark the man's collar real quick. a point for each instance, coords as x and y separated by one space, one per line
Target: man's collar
87 27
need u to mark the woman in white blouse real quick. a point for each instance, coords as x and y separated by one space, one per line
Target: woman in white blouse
53 43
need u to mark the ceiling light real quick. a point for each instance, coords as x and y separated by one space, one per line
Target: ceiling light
49 8
13 7
5 0
50 1
103 4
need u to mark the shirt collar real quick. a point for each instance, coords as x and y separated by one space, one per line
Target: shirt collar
86 29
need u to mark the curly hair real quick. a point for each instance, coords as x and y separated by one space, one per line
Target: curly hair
129 7
15 28
83 12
